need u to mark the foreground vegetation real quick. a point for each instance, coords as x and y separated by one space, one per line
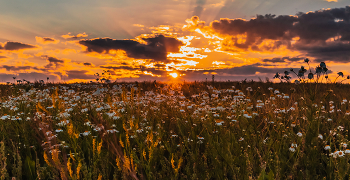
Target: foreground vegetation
220 130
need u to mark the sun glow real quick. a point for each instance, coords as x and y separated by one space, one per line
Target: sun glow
174 75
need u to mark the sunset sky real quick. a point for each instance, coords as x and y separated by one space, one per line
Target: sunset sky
139 40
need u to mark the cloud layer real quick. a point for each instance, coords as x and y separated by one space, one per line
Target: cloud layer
156 48
227 48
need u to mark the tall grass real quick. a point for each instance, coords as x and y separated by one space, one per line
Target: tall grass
220 130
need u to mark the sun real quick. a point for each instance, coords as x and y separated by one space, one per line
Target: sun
174 75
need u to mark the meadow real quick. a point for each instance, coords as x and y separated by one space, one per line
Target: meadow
194 130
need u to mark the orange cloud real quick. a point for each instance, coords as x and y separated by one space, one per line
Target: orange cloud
69 51
70 36
138 25
46 40
24 56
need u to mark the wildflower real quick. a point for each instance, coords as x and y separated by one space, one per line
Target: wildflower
338 154
246 115
99 147
87 123
340 74
219 122
112 131
347 151
320 136
306 60
310 76
299 134
292 149
59 130
329 119
327 147
293 124
241 139
264 141
86 133
4 117
297 82
340 128
301 73
78 169
99 177
48 133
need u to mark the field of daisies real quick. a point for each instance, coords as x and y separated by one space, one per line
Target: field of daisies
149 130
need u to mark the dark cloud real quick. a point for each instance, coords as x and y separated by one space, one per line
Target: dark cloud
16 46
312 26
156 47
48 39
87 64
53 62
160 65
16 68
79 75
335 52
322 25
256 30
323 35
283 59
3 57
